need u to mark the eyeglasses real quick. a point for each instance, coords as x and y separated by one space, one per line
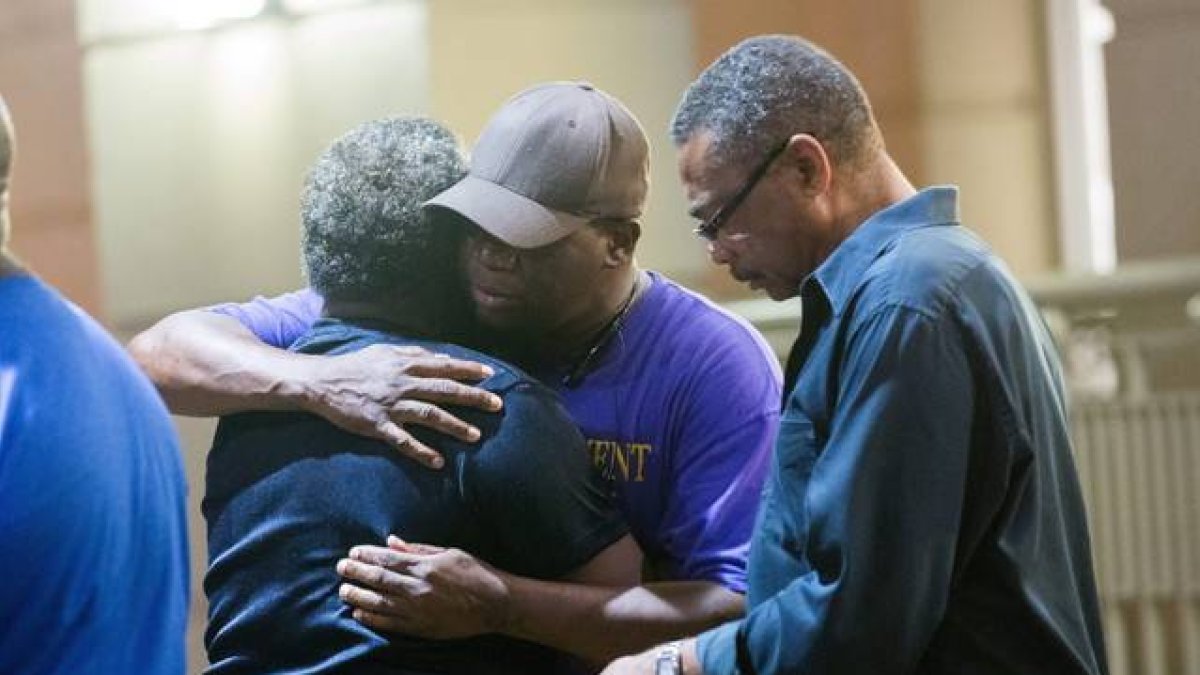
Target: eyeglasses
710 228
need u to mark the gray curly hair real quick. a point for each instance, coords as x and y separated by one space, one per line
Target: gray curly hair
365 236
768 88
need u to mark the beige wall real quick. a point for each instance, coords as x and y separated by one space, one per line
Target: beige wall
51 209
1153 66
201 140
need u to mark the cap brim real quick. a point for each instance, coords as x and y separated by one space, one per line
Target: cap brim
514 219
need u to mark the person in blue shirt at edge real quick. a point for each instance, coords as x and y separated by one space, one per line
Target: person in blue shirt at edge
93 530
287 493
678 399
923 513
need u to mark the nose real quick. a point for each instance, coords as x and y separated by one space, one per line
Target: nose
718 253
495 254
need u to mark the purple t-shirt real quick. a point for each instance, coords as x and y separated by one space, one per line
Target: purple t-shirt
680 412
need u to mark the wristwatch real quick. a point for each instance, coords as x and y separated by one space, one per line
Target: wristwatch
669 660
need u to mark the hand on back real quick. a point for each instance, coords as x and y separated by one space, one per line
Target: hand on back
378 390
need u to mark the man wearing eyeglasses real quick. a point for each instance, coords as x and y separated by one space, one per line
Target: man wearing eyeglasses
678 399
923 514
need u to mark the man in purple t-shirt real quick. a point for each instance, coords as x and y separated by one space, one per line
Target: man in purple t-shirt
677 398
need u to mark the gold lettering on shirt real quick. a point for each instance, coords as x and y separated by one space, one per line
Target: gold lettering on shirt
620 461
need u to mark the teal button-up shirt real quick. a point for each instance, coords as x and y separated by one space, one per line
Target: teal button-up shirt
923 513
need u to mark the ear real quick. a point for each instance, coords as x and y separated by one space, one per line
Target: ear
620 241
808 158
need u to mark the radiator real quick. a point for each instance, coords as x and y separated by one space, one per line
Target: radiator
1139 463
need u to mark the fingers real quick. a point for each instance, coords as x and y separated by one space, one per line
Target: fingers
447 391
380 622
382 556
424 363
422 374
430 416
369 600
407 444
380 601
397 590
398 544
375 584
442 366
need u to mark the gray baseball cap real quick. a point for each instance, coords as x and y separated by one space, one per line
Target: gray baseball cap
554 157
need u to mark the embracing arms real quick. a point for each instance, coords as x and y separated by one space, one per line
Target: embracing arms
447 593
208 363
699 539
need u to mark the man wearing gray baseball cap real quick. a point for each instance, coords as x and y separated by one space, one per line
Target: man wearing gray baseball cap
678 399
560 175
557 183
555 158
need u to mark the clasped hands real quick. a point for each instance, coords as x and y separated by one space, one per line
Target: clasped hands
424 590
442 593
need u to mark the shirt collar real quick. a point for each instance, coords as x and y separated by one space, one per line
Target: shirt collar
841 272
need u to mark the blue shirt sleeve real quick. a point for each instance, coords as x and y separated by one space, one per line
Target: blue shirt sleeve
277 321
875 507
723 451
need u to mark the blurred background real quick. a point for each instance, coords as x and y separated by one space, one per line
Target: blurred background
162 145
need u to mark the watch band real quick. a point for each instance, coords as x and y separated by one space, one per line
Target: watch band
669 660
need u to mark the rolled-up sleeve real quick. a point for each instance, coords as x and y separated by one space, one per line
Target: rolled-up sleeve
278 321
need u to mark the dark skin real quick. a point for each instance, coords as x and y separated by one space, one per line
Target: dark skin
543 308
206 364
561 296
417 315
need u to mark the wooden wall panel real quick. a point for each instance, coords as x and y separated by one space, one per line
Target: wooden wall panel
1153 99
878 41
41 79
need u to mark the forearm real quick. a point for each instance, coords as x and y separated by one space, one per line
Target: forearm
600 624
206 364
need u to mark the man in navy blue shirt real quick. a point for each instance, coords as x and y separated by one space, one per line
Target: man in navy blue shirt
288 494
922 514
93 534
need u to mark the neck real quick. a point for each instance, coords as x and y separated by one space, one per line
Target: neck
575 337
567 344
407 318
880 185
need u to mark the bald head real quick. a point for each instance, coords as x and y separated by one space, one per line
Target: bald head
6 155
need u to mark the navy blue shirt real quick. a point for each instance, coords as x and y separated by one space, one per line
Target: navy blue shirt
923 513
93 529
288 494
